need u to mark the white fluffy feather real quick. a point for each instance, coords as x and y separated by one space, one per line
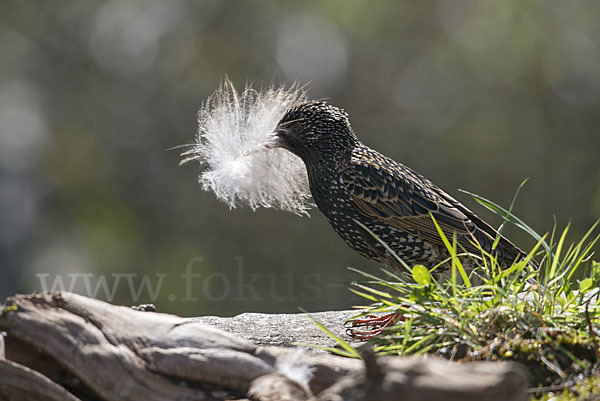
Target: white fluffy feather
294 368
233 132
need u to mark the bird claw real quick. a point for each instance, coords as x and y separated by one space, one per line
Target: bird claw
369 321
363 335
377 324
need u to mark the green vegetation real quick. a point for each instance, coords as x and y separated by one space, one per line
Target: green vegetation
9 308
541 316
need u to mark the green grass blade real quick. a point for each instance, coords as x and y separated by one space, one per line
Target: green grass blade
333 350
555 259
510 209
456 264
505 214
345 346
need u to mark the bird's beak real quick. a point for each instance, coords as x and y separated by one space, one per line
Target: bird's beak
279 139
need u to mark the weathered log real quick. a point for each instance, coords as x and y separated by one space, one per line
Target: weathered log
19 383
90 350
422 379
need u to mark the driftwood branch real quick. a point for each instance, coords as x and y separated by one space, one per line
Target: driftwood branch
63 346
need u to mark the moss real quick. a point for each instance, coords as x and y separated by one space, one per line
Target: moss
9 308
585 388
545 358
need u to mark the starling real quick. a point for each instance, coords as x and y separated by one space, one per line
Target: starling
351 183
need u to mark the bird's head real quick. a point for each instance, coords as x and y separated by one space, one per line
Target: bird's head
315 131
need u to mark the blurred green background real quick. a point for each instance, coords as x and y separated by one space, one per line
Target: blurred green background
474 95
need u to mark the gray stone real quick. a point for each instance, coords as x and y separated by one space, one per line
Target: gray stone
284 329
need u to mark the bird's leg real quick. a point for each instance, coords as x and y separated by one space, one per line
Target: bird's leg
373 324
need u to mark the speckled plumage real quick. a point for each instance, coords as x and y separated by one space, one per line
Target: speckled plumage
351 182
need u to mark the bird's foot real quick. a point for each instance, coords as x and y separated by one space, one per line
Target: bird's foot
373 324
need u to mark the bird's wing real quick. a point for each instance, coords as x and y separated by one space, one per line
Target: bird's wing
396 195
